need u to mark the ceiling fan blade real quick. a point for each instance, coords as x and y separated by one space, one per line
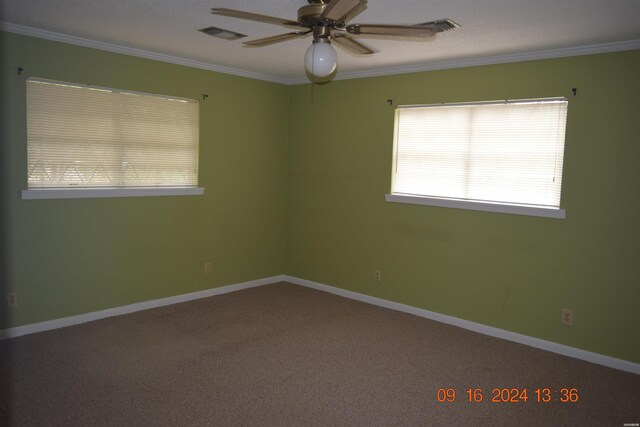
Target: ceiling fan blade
275 39
354 12
441 25
352 45
339 10
254 17
393 30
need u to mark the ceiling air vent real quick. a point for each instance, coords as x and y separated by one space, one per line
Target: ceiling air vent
222 34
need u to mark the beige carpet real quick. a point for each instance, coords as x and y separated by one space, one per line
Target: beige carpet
282 355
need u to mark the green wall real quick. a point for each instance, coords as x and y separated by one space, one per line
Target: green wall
295 179
508 271
66 257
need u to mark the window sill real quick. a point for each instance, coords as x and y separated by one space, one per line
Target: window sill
91 193
479 206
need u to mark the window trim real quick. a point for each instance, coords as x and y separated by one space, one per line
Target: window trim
478 206
94 192
469 204
80 192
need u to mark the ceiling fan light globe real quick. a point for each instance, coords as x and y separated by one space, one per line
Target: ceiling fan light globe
320 59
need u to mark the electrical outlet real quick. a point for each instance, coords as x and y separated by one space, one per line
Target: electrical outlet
377 275
567 317
12 299
207 267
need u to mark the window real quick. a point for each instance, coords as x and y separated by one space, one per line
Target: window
497 156
85 141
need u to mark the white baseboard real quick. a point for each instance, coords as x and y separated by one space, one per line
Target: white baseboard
564 350
132 308
576 353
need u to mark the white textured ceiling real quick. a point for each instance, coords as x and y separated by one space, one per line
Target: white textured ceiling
492 30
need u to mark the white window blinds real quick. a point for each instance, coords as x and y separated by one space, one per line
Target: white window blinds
508 152
79 136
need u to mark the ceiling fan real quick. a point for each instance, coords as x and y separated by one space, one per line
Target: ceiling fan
327 21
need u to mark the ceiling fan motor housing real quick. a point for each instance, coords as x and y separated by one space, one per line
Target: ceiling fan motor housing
309 15
321 32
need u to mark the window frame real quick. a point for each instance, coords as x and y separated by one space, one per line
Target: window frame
104 192
469 204
79 192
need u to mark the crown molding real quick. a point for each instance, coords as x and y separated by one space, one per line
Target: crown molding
486 60
379 72
140 53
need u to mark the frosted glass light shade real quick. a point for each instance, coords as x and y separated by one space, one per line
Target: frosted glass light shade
320 59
